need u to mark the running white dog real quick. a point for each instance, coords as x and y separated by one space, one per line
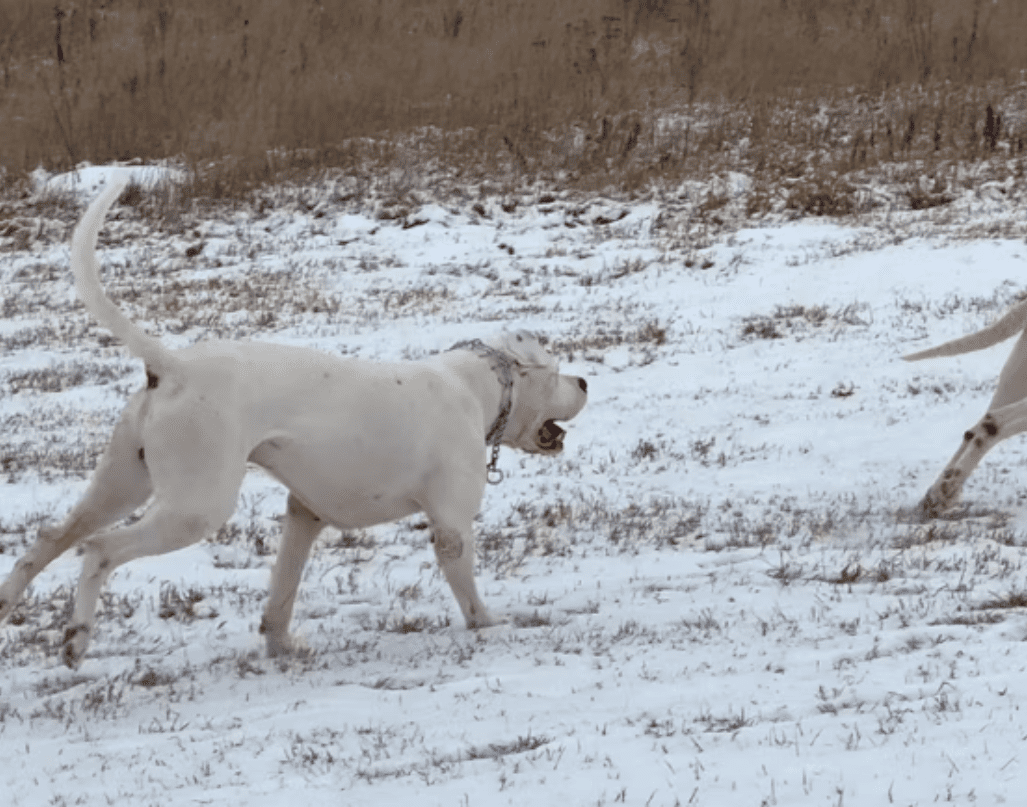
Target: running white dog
1006 415
356 443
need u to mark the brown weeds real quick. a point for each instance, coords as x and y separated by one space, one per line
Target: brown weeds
608 91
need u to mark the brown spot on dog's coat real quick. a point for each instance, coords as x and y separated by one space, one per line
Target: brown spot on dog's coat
152 380
991 429
142 454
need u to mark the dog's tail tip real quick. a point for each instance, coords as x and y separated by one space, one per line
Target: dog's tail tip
114 185
119 178
86 270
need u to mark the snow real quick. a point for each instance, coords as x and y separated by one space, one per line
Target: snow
714 596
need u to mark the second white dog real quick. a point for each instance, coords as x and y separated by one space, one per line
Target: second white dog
1006 415
356 443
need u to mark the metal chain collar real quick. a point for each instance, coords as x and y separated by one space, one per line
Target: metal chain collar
502 366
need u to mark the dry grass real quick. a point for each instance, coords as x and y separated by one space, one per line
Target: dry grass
265 89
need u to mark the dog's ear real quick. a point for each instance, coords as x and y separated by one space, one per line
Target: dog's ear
526 349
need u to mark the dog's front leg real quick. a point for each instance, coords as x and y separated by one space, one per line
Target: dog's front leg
301 530
455 552
451 500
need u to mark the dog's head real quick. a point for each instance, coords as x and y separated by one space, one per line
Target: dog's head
540 395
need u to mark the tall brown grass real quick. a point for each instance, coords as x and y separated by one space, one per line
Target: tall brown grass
117 79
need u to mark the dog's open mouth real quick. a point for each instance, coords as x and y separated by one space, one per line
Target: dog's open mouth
550 436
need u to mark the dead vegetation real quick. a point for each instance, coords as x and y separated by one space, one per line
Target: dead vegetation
800 319
591 93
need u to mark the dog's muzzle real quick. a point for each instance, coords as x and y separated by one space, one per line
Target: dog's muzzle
550 437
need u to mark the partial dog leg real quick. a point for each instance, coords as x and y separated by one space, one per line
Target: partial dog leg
301 530
120 484
451 510
946 488
993 428
454 548
998 424
197 470
977 442
162 529
1012 381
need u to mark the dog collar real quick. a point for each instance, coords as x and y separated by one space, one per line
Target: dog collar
502 366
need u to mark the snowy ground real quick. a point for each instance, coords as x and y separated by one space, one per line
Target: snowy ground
715 598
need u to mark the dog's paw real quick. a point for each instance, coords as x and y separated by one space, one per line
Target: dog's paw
76 640
7 603
10 594
918 514
933 505
287 645
488 619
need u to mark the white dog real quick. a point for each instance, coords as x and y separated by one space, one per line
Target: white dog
356 443
1006 415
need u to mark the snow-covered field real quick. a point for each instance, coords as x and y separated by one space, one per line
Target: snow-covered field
715 599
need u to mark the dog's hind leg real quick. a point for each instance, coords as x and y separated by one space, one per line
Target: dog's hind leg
301 530
120 484
1002 420
197 466
160 530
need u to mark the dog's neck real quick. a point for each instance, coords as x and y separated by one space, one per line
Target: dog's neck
496 398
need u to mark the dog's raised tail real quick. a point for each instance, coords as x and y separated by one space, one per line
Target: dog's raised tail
86 268
1010 324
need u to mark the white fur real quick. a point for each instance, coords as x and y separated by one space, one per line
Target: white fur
356 443
1006 415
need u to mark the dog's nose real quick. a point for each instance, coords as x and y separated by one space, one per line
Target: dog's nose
583 385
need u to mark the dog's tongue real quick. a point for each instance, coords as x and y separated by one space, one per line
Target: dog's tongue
550 435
